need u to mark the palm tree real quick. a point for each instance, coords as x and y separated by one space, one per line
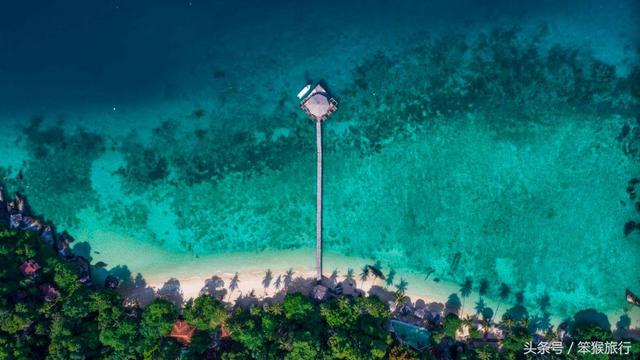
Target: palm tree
375 270
480 306
465 290
519 297
486 353
349 275
266 281
334 277
390 275
288 278
233 285
485 328
364 275
399 297
377 267
483 288
430 270
278 283
508 322
503 294
401 287
467 322
544 302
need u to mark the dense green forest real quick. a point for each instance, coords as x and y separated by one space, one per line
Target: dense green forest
92 322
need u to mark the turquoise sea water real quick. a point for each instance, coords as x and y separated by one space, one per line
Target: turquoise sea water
495 143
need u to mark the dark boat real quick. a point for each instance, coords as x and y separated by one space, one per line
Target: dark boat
632 298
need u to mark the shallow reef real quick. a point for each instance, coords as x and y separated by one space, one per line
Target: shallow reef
499 152
58 168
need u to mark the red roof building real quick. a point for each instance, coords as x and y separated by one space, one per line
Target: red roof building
182 332
224 333
49 292
29 268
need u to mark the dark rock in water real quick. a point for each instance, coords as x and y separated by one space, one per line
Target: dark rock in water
66 237
15 220
111 282
629 227
218 74
84 268
64 250
31 224
436 279
198 113
100 264
47 236
624 132
638 206
631 188
631 144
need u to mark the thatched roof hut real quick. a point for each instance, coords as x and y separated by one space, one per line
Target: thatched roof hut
319 105
182 332
29 267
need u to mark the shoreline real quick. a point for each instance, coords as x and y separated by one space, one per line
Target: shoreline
251 272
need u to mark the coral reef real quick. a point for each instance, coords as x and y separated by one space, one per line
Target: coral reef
59 165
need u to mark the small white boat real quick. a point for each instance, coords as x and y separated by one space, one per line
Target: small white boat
304 91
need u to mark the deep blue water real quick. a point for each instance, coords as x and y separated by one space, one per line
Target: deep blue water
59 53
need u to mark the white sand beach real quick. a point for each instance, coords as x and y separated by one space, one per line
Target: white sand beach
214 274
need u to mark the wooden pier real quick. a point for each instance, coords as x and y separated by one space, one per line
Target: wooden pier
319 106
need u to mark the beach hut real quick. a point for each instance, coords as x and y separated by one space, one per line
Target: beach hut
182 332
29 268
318 105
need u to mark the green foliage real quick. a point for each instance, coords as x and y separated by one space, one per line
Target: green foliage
303 350
340 314
402 352
487 353
344 329
163 349
514 342
117 331
205 312
63 329
298 307
157 319
451 325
